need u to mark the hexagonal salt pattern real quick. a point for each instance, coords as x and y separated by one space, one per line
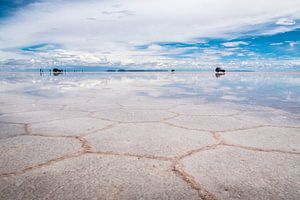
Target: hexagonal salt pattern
40 116
149 104
275 118
155 139
92 107
9 130
275 138
233 173
211 123
205 109
69 127
18 108
131 115
21 152
64 139
98 177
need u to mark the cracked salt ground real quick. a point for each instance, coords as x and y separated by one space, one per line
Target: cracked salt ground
23 152
96 144
272 138
211 123
231 173
10 130
205 109
131 115
153 139
92 107
19 108
275 118
40 116
99 177
69 127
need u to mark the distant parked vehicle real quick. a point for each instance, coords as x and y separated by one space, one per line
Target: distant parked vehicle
219 70
57 71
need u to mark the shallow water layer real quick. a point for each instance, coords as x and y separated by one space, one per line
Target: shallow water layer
276 90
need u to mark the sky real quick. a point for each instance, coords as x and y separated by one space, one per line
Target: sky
156 34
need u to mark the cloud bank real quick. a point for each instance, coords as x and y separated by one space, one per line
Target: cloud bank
134 33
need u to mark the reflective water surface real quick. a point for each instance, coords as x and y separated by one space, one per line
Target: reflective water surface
276 90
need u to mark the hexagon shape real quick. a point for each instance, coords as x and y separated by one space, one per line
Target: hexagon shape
92 107
132 115
19 153
205 109
234 173
99 177
274 138
275 118
40 116
211 123
154 139
69 127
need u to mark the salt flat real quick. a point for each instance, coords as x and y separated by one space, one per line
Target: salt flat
149 136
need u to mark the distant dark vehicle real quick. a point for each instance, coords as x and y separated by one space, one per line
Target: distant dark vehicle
57 71
219 70
172 70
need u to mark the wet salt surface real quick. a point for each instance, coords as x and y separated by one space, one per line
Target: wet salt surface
276 90
150 136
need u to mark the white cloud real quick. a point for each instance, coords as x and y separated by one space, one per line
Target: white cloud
286 22
155 47
234 44
94 31
276 44
279 29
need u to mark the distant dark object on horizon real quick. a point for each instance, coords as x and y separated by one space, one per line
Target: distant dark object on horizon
219 70
57 71
172 70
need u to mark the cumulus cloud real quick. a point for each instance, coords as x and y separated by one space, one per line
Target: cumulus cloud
110 30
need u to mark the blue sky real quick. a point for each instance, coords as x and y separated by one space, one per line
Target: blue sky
150 34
